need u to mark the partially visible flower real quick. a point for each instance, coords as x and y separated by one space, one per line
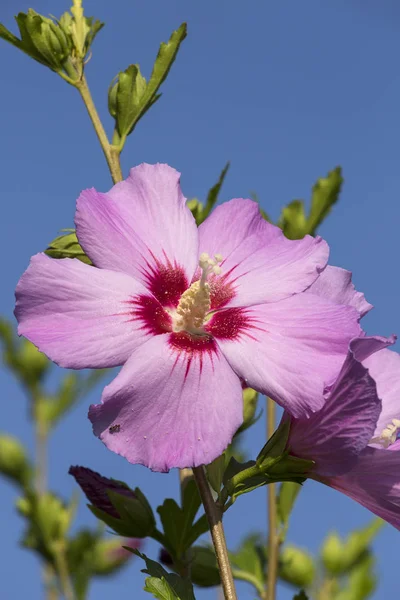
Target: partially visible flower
110 554
190 314
354 439
95 488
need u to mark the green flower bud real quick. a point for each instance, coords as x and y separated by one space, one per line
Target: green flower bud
296 567
32 363
109 555
332 553
13 461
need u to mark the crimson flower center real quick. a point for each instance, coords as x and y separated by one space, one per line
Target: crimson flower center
194 304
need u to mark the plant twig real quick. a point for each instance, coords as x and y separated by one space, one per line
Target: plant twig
273 538
63 573
110 152
214 517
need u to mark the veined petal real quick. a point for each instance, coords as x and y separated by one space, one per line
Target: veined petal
384 367
260 264
374 482
335 284
82 317
143 227
335 435
175 403
288 350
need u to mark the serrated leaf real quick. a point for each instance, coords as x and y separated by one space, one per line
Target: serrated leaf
160 588
181 589
136 96
178 522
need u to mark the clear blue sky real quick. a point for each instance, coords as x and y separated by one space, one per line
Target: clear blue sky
286 91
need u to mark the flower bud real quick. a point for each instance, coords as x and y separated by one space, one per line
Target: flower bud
13 461
332 553
296 567
32 363
110 555
126 511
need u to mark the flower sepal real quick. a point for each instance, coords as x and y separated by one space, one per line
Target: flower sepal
136 518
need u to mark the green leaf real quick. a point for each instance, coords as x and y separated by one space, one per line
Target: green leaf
288 493
293 220
249 562
160 588
212 196
175 586
178 522
67 246
129 93
203 567
131 97
215 472
325 194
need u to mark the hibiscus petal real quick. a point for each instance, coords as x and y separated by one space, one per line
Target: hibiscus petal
335 435
83 317
176 403
374 482
260 263
288 350
142 226
384 367
335 284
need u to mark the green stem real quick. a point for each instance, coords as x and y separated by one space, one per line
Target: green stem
63 572
214 517
273 538
111 153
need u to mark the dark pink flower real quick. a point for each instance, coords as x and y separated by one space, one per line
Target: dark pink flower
354 438
190 314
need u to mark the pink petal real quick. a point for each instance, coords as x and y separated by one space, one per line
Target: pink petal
260 264
335 284
374 482
176 403
335 435
288 350
83 317
384 367
142 226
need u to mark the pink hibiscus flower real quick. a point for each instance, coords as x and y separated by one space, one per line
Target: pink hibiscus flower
191 313
354 439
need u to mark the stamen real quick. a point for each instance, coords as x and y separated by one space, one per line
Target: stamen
388 435
195 302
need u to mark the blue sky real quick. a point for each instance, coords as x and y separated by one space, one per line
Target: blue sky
286 91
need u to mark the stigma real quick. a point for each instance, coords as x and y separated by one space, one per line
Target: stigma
194 304
388 435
